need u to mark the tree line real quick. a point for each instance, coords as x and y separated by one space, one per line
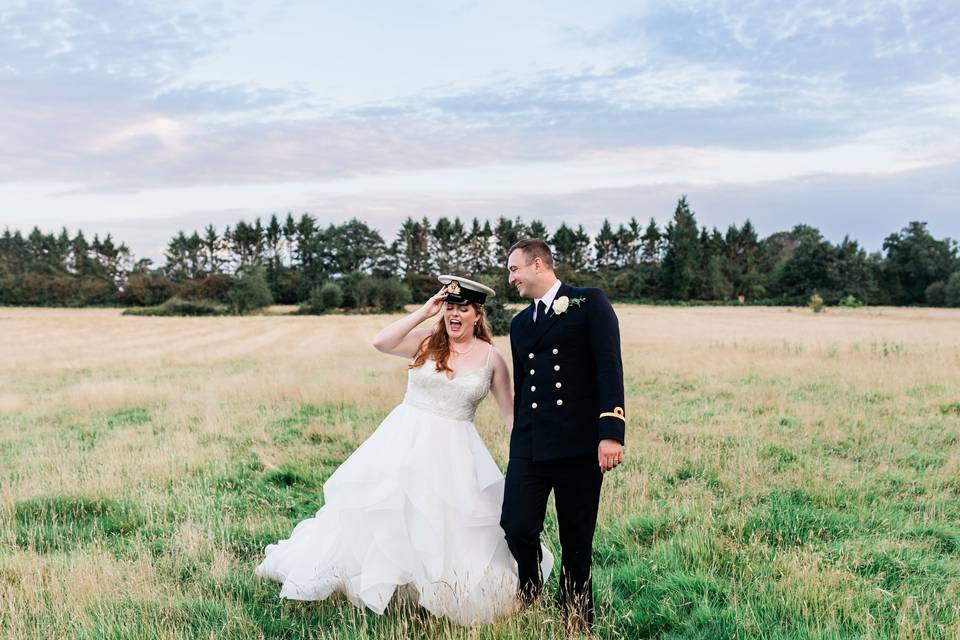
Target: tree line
679 263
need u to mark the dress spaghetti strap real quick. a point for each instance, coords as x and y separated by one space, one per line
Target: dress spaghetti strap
489 351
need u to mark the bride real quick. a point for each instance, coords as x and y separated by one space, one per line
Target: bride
416 508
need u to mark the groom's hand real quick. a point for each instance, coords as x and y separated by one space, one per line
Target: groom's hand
609 454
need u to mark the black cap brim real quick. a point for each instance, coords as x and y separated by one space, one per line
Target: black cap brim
466 296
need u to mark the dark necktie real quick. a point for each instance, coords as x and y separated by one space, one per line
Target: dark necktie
541 311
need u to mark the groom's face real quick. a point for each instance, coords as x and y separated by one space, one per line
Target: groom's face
524 275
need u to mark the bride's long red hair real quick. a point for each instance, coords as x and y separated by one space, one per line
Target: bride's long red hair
437 346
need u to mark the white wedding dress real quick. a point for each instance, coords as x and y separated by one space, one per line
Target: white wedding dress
416 508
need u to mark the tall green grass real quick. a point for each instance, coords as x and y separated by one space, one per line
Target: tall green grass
750 506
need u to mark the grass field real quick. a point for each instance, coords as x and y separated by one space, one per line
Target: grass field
789 474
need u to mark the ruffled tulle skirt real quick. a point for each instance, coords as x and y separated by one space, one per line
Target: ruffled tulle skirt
416 507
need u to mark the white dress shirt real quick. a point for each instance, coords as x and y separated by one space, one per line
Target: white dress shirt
547 298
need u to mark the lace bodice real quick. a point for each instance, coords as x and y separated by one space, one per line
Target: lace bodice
432 391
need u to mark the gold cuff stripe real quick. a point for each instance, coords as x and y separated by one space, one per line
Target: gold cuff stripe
616 413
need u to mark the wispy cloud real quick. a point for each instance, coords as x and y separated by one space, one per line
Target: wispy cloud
145 40
122 104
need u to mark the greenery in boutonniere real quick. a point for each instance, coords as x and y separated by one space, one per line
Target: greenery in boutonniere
560 304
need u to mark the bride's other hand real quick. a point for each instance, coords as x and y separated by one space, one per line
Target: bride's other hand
432 306
501 384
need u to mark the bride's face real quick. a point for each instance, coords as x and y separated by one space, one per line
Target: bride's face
459 320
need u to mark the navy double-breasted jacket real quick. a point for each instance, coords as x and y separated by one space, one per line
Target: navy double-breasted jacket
567 377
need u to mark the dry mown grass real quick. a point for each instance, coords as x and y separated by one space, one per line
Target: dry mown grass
788 474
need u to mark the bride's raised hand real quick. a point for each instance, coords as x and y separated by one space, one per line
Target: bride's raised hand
432 306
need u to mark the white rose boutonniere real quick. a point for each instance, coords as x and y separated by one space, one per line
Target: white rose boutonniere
561 304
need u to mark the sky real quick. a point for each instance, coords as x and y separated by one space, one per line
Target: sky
144 118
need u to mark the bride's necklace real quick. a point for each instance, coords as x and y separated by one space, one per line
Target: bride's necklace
463 353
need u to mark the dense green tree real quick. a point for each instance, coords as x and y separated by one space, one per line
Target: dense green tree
936 294
309 238
605 251
273 239
814 265
651 254
807 269
44 253
538 230
212 249
571 248
742 261
505 233
914 261
651 244
631 261
952 290
479 252
682 256
412 247
714 283
323 298
247 243
182 257
78 257
290 239
251 291
114 261
350 247
851 273
448 246
627 245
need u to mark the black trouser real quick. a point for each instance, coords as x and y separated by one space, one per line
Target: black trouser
576 486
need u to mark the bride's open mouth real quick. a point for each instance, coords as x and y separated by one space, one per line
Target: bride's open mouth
455 325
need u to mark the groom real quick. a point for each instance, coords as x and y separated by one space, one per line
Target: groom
568 425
